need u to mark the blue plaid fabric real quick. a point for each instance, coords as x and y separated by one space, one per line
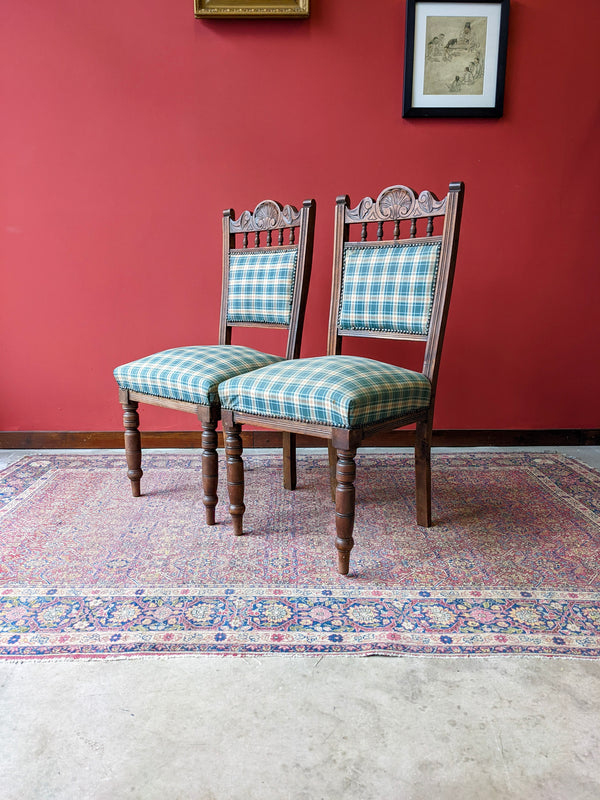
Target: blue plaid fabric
261 285
192 374
343 391
389 288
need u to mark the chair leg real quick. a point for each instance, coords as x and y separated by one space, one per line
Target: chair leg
344 507
210 470
332 453
423 473
235 476
289 460
133 445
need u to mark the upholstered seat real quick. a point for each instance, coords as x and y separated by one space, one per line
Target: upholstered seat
341 391
265 284
191 374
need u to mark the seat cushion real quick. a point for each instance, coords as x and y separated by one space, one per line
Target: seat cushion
342 391
191 373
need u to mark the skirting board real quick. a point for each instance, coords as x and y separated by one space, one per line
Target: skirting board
44 440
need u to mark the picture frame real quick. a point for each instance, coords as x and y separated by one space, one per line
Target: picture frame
273 9
455 58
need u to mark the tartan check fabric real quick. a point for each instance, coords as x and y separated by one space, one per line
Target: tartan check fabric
191 373
261 285
343 391
389 288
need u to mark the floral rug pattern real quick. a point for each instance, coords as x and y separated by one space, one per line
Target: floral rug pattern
509 566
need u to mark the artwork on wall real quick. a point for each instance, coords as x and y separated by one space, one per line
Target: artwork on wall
206 9
455 58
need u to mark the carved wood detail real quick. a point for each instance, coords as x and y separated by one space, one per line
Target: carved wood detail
266 216
396 202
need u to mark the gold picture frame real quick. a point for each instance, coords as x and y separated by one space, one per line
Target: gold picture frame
269 9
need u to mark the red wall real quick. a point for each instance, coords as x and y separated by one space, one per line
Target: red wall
128 126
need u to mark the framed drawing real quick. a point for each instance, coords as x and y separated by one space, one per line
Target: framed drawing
207 9
455 58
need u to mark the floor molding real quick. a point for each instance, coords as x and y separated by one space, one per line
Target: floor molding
44 440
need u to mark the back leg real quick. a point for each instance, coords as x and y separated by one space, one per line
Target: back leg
133 445
289 460
423 473
332 453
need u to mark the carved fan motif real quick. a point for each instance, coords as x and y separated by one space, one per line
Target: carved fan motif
395 202
266 215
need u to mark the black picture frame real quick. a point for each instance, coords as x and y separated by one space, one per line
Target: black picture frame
455 58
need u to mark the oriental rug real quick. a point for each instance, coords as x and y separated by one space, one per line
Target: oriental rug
510 566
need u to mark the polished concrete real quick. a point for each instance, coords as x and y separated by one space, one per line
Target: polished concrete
292 728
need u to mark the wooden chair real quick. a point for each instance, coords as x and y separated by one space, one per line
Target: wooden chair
265 284
391 288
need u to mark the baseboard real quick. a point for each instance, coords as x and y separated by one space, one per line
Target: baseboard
44 440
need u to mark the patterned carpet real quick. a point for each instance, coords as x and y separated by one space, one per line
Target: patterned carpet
510 565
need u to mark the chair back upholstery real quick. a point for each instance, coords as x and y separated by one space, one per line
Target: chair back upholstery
388 288
267 259
395 283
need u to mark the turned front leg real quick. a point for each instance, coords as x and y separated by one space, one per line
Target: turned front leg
344 507
235 476
133 445
210 470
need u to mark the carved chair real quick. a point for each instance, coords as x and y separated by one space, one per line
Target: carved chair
265 284
393 288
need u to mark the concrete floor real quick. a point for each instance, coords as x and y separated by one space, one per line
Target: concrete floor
290 728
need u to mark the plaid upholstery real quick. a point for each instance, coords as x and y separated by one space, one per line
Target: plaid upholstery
343 391
389 288
190 373
261 285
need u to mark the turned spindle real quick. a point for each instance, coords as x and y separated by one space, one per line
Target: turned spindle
235 477
344 507
210 470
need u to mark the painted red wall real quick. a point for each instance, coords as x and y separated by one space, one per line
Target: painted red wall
128 126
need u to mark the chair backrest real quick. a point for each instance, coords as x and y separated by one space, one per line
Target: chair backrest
396 287
267 260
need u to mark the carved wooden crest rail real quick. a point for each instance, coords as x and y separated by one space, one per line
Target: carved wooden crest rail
267 216
395 203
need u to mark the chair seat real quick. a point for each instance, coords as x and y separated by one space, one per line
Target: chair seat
192 374
342 391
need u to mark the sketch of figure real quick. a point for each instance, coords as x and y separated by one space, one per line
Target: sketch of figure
435 48
475 67
454 55
467 76
467 40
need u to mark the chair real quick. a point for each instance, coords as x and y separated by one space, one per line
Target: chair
264 285
392 288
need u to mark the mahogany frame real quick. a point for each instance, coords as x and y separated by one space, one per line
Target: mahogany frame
395 204
268 217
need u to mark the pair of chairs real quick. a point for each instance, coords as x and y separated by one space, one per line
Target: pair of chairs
394 286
